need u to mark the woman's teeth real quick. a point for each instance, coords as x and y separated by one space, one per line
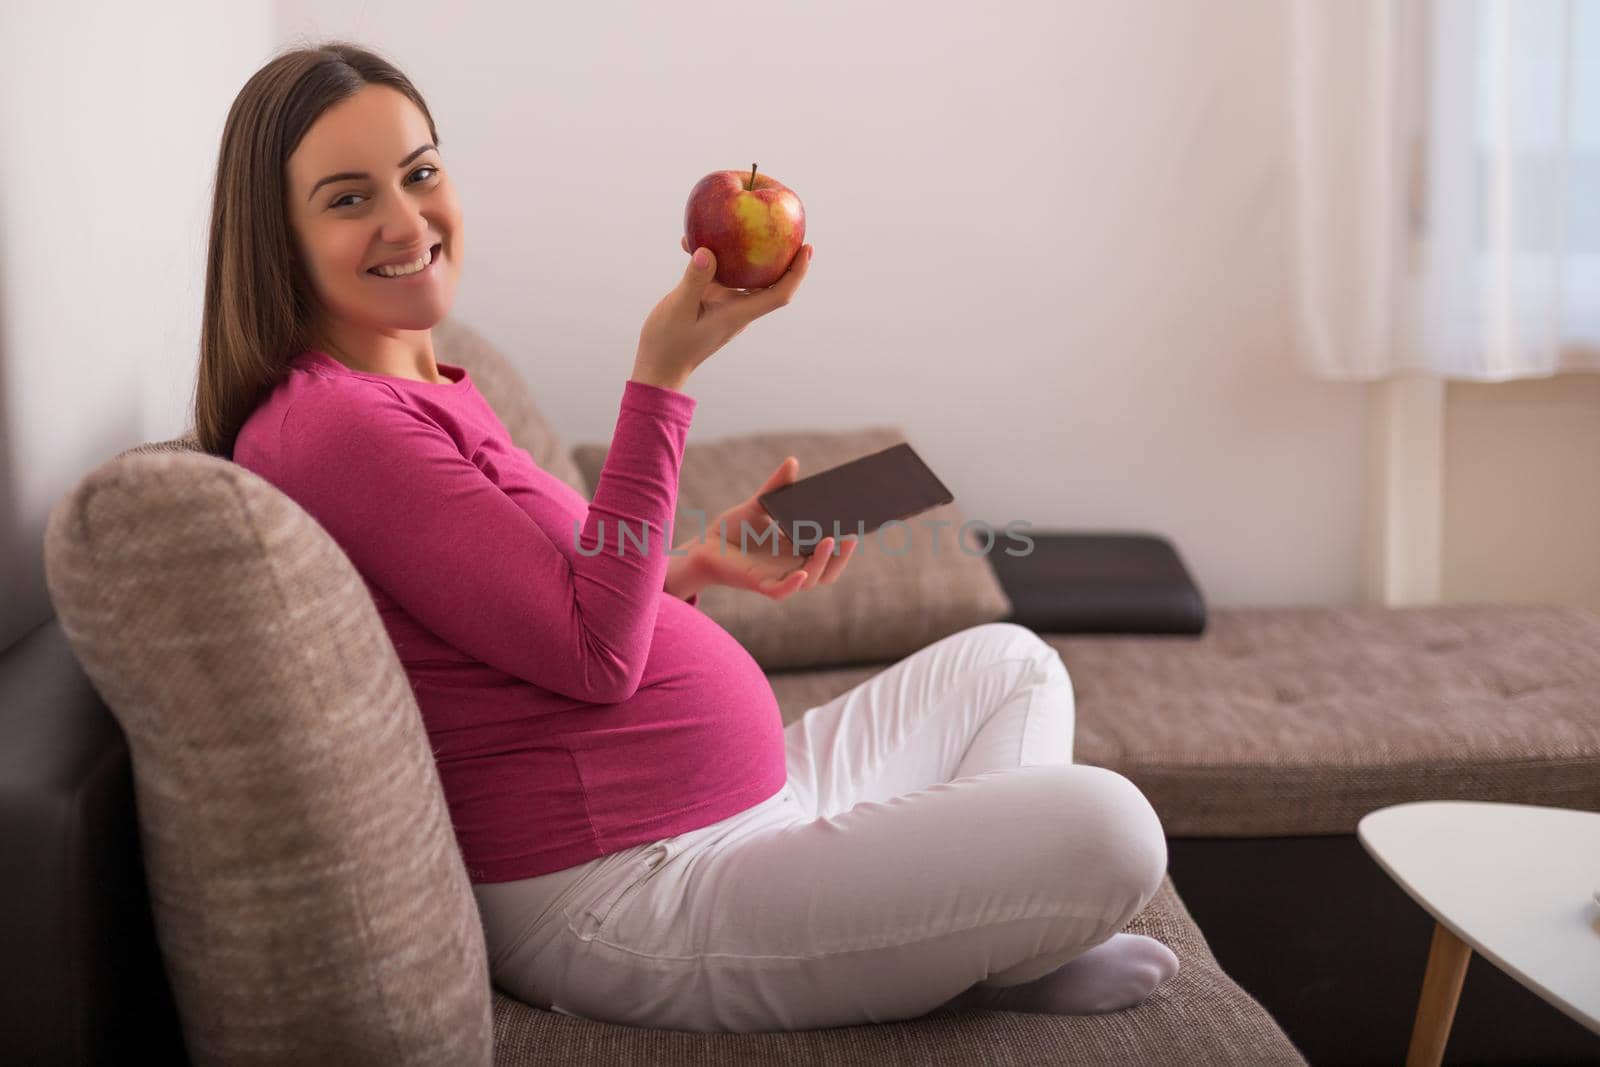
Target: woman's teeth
405 268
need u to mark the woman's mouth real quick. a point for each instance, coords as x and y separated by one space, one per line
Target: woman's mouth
420 269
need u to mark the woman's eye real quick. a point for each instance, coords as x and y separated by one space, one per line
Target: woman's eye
413 174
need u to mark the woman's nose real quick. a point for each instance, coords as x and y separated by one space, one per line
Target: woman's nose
404 226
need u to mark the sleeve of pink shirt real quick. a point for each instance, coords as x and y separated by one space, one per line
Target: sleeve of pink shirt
421 522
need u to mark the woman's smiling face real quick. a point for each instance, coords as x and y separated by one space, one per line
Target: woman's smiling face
390 201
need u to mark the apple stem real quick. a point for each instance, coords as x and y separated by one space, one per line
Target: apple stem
752 184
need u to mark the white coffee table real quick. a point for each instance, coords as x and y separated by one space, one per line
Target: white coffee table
1516 882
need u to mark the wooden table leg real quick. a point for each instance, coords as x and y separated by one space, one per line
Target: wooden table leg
1448 957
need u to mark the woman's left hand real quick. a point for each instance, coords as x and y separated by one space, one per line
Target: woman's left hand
776 574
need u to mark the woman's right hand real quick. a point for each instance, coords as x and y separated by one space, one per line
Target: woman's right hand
700 316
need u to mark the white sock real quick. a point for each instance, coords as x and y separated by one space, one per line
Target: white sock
1116 974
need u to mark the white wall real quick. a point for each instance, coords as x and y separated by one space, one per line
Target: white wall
1522 491
110 119
1050 242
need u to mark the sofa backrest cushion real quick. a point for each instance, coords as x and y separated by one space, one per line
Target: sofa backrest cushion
308 894
906 585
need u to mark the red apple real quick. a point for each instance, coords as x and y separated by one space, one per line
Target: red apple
753 224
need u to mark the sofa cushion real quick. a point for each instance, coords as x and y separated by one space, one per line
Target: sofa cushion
902 590
503 386
308 895
1283 721
1300 720
1098 583
1199 1016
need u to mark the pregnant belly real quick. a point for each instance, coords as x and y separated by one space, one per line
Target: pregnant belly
703 721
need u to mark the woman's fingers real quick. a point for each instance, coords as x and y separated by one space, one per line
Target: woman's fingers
822 568
715 292
827 568
786 586
757 302
778 478
818 564
836 564
751 304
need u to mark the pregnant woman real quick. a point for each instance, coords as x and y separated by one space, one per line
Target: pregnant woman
646 841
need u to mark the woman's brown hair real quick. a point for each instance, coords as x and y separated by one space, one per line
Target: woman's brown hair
258 299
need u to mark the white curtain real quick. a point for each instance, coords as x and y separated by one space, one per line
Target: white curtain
1445 171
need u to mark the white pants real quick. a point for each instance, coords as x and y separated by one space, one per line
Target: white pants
934 833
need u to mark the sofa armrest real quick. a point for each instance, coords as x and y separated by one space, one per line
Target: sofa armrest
83 969
1128 583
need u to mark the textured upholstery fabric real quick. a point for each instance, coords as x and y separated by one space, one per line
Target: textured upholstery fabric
1200 1016
1301 720
902 591
1285 721
308 895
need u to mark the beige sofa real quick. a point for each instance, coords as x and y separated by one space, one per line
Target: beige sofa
307 897
310 905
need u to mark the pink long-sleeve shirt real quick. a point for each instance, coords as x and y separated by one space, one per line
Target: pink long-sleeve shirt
574 707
